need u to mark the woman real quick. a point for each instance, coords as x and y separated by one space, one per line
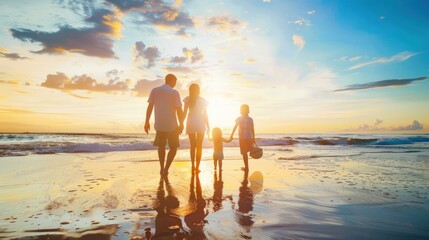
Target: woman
196 123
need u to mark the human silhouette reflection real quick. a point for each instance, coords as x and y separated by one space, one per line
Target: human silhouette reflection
245 203
217 193
167 223
195 220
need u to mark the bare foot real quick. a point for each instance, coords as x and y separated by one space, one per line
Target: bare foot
245 169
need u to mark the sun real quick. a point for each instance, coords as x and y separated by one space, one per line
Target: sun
222 112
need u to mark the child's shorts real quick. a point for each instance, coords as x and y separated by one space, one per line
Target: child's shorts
218 155
245 145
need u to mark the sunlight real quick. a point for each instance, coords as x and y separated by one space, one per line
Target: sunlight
222 112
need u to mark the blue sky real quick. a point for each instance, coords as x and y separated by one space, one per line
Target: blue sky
286 59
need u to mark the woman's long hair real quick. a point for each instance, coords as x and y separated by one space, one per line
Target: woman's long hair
194 93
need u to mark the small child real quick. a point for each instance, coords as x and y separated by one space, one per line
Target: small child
218 141
246 133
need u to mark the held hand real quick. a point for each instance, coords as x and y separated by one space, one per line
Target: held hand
180 129
230 139
147 127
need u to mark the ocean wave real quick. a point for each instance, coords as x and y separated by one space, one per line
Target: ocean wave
25 144
402 141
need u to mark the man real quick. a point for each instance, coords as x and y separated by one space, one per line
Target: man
168 109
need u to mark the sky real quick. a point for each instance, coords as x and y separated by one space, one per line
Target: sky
345 66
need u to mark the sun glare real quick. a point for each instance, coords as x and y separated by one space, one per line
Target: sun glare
222 112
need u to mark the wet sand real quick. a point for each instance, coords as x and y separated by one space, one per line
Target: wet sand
288 194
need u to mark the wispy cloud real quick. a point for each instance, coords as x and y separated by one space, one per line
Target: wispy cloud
96 41
301 22
379 84
225 23
396 58
9 82
249 60
311 12
298 41
11 56
350 59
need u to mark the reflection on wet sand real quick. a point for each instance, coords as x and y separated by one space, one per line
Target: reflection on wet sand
167 223
195 219
245 205
217 191
105 232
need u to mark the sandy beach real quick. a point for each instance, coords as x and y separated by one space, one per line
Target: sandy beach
119 195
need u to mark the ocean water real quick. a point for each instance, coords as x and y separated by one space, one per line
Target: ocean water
27 144
308 187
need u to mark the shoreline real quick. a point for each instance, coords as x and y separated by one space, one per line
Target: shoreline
115 196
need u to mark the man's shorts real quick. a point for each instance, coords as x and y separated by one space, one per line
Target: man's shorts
162 138
245 145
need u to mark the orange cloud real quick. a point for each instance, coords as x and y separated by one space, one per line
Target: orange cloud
83 82
225 23
298 41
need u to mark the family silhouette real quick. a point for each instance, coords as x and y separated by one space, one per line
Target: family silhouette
165 101
169 119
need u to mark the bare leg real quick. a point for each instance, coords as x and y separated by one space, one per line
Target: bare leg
215 163
192 140
220 165
246 162
199 146
171 154
161 157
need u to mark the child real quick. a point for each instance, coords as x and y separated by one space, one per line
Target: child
246 133
218 141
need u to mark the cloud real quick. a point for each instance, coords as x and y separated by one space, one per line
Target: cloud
113 74
225 23
143 87
266 1
415 125
301 22
83 82
150 54
379 84
178 60
9 82
11 56
350 59
298 41
179 69
80 7
311 12
249 60
396 58
158 13
373 127
95 41
195 54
